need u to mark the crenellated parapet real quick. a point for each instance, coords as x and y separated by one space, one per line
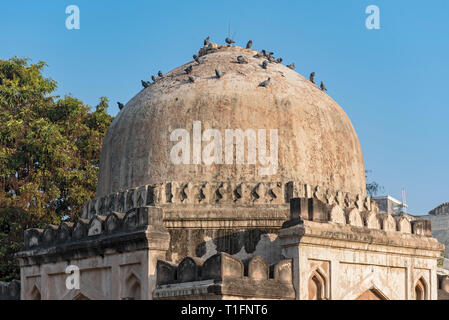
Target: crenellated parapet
224 275
10 290
102 228
318 211
138 228
221 194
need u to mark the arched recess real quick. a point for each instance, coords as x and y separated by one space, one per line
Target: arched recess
87 292
81 297
35 293
366 289
372 294
421 291
132 288
318 285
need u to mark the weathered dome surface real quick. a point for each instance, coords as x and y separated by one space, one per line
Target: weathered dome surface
317 142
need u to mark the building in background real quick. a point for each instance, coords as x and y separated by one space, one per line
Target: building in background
441 210
388 204
439 218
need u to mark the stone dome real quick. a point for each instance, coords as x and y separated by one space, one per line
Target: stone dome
317 143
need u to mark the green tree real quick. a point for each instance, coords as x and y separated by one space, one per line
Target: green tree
49 154
372 188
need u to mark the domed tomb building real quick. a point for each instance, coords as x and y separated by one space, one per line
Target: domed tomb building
233 180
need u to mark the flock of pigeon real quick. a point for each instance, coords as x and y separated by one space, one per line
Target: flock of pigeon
268 56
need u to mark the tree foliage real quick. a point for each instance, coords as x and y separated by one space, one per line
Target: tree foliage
372 188
49 154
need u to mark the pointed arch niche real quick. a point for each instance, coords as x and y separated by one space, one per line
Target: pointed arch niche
81 296
318 285
421 291
132 287
35 293
372 294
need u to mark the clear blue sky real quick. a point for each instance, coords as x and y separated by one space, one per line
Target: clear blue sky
393 82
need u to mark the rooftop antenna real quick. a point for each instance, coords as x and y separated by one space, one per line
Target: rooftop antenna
404 201
229 31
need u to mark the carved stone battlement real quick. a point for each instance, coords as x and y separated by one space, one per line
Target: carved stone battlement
312 209
315 210
224 275
221 194
10 290
141 227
